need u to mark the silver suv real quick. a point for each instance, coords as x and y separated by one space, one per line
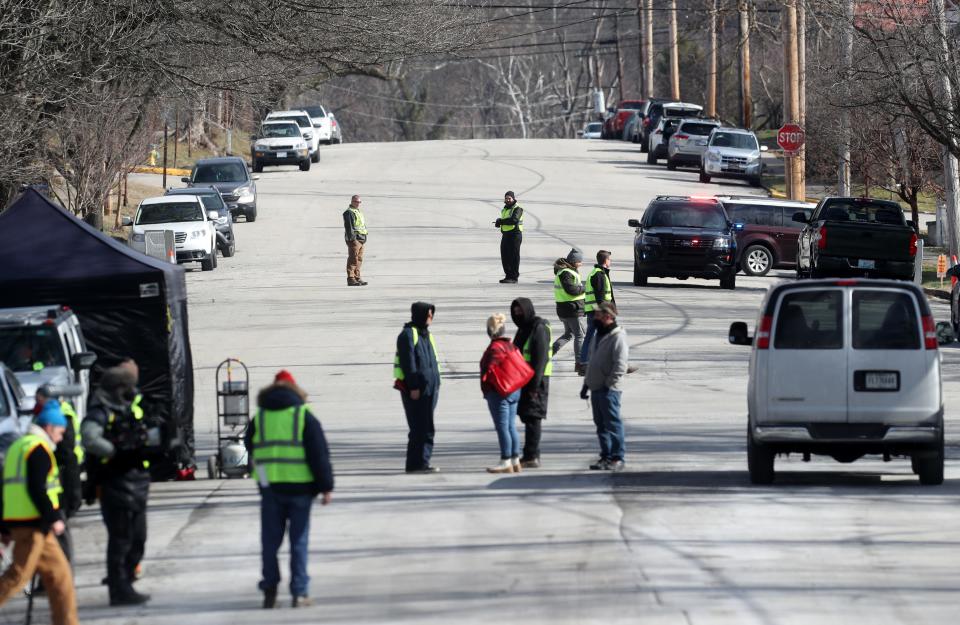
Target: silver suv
732 153
689 141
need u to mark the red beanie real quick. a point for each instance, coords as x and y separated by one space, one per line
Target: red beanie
284 376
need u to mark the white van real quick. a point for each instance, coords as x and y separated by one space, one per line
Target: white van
844 368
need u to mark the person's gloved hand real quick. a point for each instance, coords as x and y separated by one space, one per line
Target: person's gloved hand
584 393
496 224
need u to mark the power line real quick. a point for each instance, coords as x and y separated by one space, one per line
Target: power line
466 126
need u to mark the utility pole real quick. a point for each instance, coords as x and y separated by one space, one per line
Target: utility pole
648 47
616 31
712 63
800 164
640 48
674 53
746 97
950 174
166 131
791 94
843 166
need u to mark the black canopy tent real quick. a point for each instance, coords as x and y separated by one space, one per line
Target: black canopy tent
129 305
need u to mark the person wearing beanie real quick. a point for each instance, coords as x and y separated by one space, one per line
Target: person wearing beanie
355 234
510 223
608 364
289 477
416 373
599 289
570 295
533 340
31 516
502 409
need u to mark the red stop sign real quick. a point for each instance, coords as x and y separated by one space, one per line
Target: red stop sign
790 137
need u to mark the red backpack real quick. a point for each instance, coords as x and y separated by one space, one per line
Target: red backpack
507 371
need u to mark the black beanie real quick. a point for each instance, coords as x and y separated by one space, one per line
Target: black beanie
510 194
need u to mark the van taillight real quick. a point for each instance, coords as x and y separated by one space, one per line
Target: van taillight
822 241
762 340
913 244
929 333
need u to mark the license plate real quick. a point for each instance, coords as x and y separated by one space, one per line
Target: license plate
281 155
881 380
866 264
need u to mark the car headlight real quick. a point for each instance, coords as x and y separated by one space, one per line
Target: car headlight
721 243
646 239
197 234
755 157
713 156
139 237
259 146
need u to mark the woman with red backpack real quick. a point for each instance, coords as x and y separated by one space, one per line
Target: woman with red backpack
503 372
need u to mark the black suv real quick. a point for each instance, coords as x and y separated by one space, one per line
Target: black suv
683 237
213 201
229 176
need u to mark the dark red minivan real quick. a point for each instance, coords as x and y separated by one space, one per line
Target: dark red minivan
768 239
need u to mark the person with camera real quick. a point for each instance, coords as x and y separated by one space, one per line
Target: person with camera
116 437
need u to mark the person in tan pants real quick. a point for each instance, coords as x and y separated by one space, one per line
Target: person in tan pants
355 234
32 518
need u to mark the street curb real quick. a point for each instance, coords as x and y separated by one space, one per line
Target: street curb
938 293
171 171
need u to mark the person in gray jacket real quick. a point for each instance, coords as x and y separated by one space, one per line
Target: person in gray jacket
607 366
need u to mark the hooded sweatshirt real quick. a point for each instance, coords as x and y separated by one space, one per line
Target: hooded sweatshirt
609 354
418 362
533 397
573 286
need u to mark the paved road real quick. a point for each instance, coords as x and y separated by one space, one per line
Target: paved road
678 538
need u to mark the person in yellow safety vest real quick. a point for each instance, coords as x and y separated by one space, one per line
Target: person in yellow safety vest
32 518
599 290
416 372
570 296
355 234
114 440
510 224
291 460
533 339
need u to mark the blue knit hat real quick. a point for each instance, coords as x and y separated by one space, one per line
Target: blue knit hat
51 414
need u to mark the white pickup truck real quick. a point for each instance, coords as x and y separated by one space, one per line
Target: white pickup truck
194 229
844 368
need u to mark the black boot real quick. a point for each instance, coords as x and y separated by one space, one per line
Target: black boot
127 596
269 598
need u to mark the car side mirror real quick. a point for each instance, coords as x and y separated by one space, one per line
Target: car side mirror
126 221
579 133
255 178
185 179
800 217
739 335
945 334
633 223
83 360
213 215
764 148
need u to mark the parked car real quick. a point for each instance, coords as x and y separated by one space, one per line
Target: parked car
732 153
336 132
229 176
768 238
591 130
15 416
280 143
310 134
689 141
323 124
44 345
212 201
660 138
849 236
193 228
684 237
625 110
660 109
642 128
844 368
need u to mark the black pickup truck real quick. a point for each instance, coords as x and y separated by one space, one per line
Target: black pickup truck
848 236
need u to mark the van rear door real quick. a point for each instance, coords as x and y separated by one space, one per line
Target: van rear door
807 370
892 378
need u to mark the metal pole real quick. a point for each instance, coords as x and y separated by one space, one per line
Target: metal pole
674 53
746 98
166 130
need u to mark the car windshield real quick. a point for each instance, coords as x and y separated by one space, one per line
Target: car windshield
698 129
274 131
302 120
31 348
169 212
863 211
213 202
315 111
738 140
884 320
596 127
685 216
810 320
679 111
220 172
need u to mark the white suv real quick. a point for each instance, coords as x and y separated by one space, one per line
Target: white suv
844 368
323 124
310 134
194 230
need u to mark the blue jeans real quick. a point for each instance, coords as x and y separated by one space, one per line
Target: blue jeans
591 330
504 413
276 511
606 416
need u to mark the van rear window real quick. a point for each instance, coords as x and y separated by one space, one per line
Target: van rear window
810 320
884 320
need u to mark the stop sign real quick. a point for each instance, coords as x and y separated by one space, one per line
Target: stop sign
790 137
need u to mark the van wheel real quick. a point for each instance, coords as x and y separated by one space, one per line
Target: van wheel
639 279
929 467
760 461
757 261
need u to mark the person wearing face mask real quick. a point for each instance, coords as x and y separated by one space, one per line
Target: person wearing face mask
533 340
511 236
416 372
113 435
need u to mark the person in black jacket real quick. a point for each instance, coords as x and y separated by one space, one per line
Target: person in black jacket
533 339
417 374
116 455
286 501
510 224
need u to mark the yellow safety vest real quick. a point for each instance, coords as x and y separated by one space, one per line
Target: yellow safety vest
607 289
505 214
559 294
278 452
17 504
526 351
359 223
71 414
398 373
137 412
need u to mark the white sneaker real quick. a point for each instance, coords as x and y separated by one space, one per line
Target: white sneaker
505 466
515 461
